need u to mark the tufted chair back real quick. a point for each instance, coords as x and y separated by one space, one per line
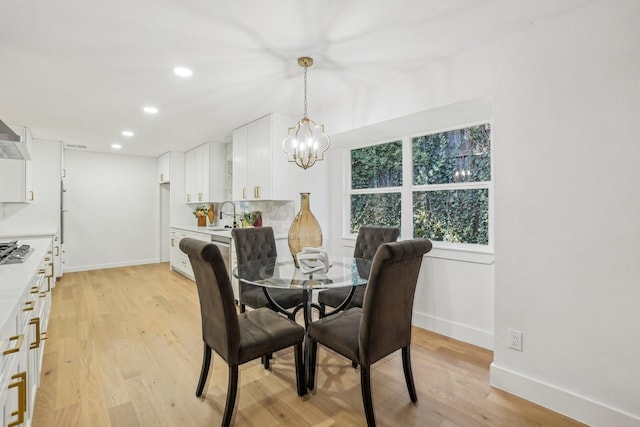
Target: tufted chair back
254 243
371 237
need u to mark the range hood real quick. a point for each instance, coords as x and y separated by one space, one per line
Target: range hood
11 145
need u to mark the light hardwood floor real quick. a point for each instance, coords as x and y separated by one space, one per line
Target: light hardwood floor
125 349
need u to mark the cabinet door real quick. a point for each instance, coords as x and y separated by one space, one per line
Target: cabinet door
164 168
15 175
259 152
202 173
190 174
240 167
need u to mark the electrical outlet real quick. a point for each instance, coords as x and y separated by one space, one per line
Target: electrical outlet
514 339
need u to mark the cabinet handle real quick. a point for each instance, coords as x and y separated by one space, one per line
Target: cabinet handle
34 289
42 271
28 306
64 173
199 197
36 322
244 192
173 242
188 198
33 196
18 339
256 192
57 251
161 177
52 270
22 398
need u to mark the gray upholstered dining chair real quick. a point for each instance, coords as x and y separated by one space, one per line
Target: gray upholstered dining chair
236 338
367 243
383 324
260 243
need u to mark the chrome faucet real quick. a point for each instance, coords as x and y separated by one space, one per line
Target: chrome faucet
235 225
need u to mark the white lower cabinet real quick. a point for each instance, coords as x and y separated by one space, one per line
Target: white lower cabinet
178 260
22 339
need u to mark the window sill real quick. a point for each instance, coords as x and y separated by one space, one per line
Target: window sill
440 251
476 256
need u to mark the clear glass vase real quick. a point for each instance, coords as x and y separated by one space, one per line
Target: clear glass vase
305 229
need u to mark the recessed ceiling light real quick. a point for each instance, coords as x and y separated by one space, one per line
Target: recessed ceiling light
116 146
150 110
127 133
183 72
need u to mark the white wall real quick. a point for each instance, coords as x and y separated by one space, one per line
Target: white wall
112 203
567 271
565 96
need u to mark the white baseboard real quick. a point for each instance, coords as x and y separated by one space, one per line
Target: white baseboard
110 265
562 401
453 330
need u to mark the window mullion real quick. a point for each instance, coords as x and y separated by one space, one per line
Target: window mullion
406 214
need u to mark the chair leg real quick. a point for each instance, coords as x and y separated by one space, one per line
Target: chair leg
243 308
313 353
322 310
266 359
232 390
300 377
204 371
408 374
367 401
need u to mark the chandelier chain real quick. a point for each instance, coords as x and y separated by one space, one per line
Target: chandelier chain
305 92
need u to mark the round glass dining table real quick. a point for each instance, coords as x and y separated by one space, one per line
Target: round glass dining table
282 273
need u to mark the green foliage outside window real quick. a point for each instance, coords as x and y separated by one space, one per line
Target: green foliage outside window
377 166
456 216
460 155
375 209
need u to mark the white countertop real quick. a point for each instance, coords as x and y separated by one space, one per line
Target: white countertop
14 278
214 231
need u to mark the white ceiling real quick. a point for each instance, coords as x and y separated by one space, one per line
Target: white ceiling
80 71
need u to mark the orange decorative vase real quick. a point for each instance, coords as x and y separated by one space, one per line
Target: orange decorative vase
305 229
202 221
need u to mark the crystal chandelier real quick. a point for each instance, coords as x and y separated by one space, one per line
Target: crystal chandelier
306 142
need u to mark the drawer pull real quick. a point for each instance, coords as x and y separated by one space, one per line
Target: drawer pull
36 322
22 398
28 306
18 339
34 289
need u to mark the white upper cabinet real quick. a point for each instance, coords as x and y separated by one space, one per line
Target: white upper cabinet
259 164
15 175
164 168
204 173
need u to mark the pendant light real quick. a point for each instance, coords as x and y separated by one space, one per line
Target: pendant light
306 142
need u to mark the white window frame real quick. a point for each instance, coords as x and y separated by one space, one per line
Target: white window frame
407 189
